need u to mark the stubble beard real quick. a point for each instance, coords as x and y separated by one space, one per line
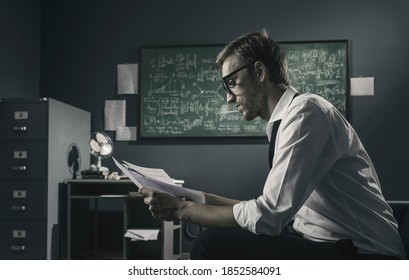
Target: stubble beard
254 108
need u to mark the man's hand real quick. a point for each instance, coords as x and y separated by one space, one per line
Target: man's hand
170 208
162 206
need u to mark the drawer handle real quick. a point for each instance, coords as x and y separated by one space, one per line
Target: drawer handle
20 194
19 233
19 168
20 128
18 248
18 208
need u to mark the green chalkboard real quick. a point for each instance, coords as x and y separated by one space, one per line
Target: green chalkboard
320 68
181 93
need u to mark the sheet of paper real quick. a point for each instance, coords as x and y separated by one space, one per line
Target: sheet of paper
127 78
115 114
155 173
144 181
362 86
125 133
142 234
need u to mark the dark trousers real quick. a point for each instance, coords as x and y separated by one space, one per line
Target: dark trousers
234 244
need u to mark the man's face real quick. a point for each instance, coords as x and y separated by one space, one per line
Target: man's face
243 89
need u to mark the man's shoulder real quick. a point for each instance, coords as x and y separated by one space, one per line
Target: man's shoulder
311 100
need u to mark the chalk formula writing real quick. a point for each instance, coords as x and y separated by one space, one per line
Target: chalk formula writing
182 95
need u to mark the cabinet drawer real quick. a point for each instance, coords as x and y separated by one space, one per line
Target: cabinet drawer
24 241
23 160
23 120
23 200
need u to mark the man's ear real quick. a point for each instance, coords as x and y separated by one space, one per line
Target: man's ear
260 70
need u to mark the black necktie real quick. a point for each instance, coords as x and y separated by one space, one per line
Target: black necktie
273 142
274 130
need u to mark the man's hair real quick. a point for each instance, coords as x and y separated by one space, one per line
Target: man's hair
258 46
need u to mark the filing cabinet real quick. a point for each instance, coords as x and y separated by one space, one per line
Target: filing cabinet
39 142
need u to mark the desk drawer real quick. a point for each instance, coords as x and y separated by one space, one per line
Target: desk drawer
23 160
23 200
23 241
23 120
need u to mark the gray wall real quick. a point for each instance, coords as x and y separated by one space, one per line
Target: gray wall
84 40
20 26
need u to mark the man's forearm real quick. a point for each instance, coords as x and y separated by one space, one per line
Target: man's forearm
207 215
213 199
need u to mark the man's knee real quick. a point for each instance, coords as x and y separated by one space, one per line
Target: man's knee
217 243
200 246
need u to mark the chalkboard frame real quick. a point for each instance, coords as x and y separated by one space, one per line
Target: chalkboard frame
345 44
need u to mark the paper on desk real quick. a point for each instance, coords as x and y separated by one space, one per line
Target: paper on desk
142 234
157 180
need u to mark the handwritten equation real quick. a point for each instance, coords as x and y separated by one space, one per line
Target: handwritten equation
321 69
182 95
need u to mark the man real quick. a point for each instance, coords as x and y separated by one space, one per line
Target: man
322 198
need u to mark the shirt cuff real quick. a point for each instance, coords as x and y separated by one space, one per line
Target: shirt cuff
246 214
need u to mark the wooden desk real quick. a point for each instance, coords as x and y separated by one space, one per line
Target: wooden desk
98 213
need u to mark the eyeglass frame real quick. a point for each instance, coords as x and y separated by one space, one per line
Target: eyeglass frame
225 78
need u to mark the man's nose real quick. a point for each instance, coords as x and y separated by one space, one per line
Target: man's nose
230 98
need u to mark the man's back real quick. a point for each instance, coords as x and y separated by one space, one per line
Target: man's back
347 202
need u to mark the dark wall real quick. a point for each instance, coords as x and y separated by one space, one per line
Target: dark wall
20 26
84 40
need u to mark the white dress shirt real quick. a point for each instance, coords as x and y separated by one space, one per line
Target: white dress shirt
322 178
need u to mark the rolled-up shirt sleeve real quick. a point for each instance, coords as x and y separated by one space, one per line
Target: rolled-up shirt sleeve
300 162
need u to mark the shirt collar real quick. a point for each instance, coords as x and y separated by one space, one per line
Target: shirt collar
280 108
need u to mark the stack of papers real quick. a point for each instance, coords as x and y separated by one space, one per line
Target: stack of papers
157 180
142 234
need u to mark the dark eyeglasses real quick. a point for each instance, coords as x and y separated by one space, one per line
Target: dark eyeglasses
226 78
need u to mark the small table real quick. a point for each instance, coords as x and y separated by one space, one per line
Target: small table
88 195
